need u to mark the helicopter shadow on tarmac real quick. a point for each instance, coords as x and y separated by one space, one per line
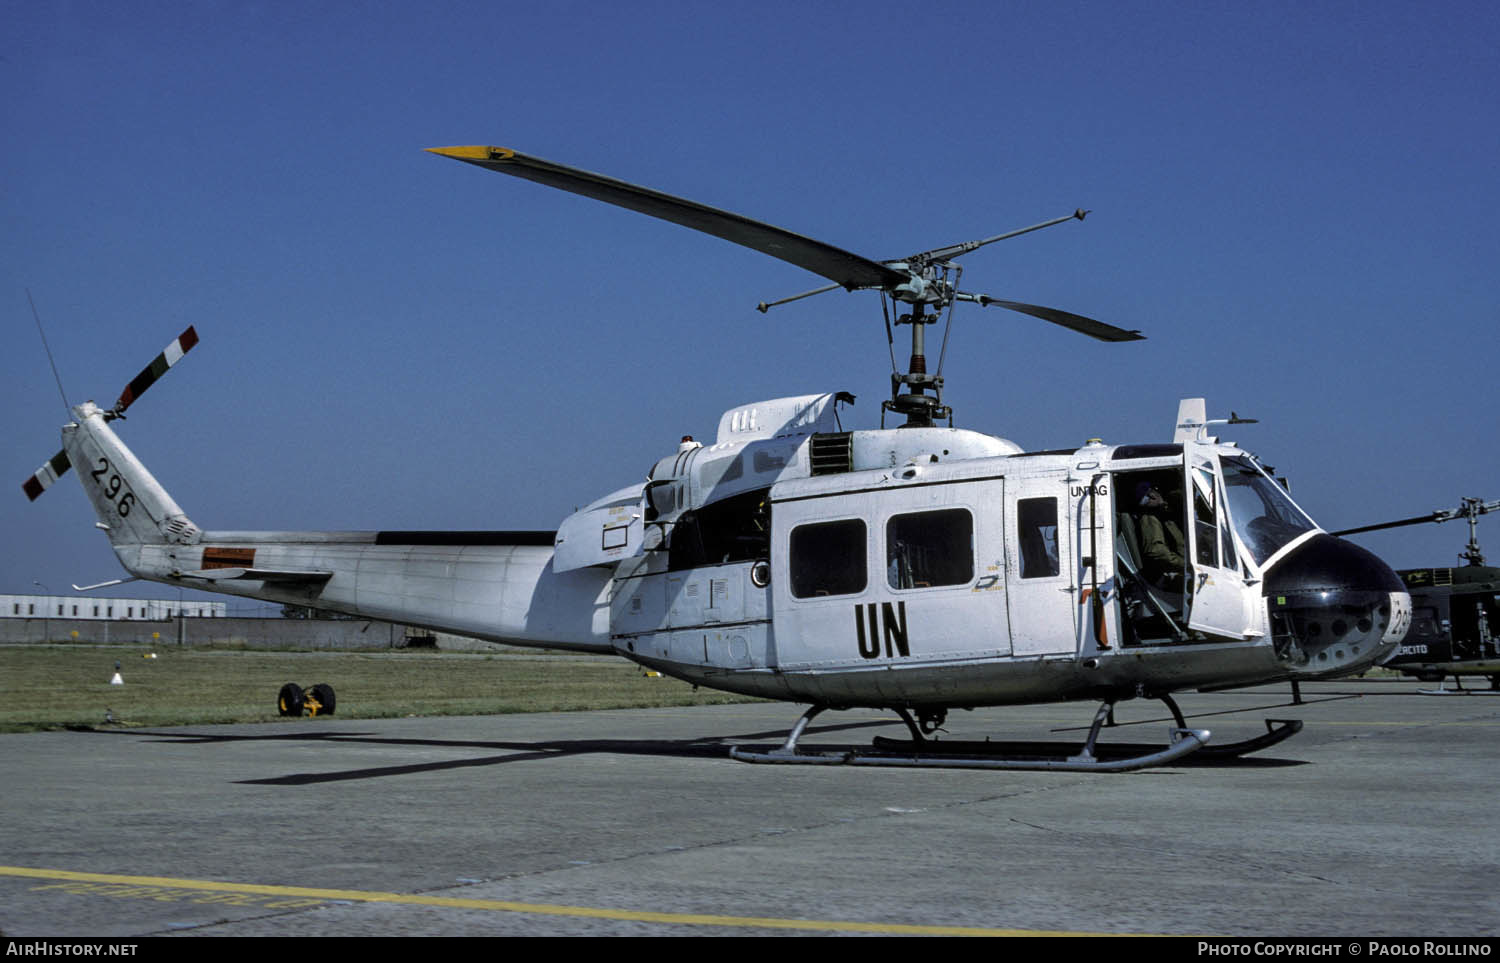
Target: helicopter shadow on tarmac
515 751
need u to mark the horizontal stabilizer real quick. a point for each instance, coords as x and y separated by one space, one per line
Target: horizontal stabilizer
279 576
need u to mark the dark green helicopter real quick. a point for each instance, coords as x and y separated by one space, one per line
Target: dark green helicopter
1455 621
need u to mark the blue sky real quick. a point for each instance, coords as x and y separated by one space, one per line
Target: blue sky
1296 202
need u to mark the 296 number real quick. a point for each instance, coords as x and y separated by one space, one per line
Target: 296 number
112 488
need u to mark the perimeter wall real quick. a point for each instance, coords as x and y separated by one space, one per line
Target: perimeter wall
273 633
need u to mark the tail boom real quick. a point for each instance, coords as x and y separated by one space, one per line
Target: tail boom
499 586
478 584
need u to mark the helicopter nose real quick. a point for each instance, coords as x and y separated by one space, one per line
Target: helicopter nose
1335 607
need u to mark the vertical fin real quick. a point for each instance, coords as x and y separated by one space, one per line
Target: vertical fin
1192 416
132 506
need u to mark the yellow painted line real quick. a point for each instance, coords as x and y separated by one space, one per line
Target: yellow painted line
540 909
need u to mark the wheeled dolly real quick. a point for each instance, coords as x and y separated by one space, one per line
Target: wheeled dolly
316 701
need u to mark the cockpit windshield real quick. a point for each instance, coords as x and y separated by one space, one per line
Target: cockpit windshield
1263 515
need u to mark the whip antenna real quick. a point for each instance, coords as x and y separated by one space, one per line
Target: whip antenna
45 347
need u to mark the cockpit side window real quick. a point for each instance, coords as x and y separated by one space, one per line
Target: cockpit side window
1205 518
1226 541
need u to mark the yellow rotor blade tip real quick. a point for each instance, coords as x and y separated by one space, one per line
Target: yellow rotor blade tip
473 153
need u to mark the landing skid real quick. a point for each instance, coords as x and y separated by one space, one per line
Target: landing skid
1458 686
1277 730
1055 757
1458 682
1442 690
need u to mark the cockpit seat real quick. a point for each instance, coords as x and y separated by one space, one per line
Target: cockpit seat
1142 599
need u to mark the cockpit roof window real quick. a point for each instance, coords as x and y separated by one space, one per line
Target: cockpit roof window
1125 452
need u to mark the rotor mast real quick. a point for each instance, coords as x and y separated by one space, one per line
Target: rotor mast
932 279
1471 509
921 409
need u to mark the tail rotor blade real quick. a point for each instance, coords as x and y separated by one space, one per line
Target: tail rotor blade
44 476
170 355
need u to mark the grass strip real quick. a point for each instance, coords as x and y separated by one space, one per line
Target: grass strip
57 686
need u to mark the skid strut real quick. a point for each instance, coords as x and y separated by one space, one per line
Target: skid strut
789 753
1443 690
924 752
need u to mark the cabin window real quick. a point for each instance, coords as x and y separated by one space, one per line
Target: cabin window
928 549
827 558
1036 530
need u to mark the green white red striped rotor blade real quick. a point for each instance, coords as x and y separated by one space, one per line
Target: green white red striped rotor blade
44 476
170 355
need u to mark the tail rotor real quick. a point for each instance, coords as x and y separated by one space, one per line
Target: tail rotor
58 464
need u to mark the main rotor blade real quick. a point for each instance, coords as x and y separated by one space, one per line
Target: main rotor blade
1075 322
1472 508
1434 517
835 264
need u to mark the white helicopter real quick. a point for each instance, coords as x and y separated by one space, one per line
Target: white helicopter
920 569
